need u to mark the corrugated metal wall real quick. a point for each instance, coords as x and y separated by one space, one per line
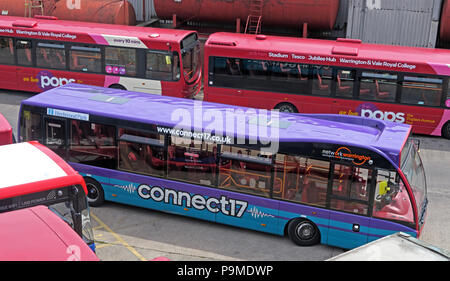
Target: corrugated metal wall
396 22
139 5
342 16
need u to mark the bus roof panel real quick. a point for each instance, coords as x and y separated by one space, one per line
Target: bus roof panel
25 163
325 52
77 31
79 102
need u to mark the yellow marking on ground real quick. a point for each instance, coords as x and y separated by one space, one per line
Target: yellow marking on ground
103 245
118 238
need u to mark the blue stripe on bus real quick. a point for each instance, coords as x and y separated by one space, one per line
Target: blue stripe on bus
262 214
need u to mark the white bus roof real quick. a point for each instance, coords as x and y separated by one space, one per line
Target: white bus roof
23 163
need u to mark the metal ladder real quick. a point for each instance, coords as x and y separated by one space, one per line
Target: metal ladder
31 5
253 25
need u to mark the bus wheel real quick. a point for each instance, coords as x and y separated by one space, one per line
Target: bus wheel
303 232
286 107
446 130
95 195
117 86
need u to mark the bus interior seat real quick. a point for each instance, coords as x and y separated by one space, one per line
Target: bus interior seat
380 94
321 85
28 54
340 86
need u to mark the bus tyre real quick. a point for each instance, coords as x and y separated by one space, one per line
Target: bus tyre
446 130
117 86
286 107
303 232
95 195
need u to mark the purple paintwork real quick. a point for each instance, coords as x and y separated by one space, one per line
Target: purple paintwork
388 137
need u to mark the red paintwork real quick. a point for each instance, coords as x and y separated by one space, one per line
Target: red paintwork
52 239
72 178
104 11
319 14
28 78
343 53
5 131
444 26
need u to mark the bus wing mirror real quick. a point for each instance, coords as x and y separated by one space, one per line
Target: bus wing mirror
447 103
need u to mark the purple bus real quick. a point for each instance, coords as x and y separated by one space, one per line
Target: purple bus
337 180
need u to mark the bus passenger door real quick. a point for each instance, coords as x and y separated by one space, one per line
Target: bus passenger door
348 199
55 135
391 205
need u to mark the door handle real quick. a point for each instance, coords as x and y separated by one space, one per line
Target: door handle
355 227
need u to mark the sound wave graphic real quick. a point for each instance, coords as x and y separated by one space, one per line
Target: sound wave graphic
130 188
259 214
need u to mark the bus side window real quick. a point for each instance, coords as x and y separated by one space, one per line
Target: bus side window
378 86
315 182
290 172
391 198
245 170
233 67
447 101
290 71
256 69
192 161
30 127
85 58
220 65
159 66
344 83
322 79
6 50
51 56
141 152
93 144
421 90
120 61
23 50
350 191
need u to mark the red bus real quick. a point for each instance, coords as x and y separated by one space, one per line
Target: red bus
401 84
6 135
32 174
37 54
52 238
